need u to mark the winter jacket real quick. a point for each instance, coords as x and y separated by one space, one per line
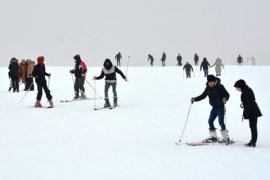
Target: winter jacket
218 65
188 67
251 108
14 69
215 94
163 58
39 73
109 71
204 65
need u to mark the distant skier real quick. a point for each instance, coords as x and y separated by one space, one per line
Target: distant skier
188 69
205 66
251 109
150 57
109 71
14 74
79 70
163 59
196 59
39 74
179 60
218 65
118 58
239 60
218 96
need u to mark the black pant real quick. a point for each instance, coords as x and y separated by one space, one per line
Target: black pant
15 83
253 128
79 85
29 84
40 85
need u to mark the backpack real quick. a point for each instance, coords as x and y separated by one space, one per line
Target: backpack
84 67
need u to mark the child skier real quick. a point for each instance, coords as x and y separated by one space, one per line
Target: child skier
109 71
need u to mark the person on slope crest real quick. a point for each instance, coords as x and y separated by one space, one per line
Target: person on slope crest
39 74
79 70
218 96
109 71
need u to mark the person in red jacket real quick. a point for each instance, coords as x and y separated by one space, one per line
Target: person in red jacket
39 74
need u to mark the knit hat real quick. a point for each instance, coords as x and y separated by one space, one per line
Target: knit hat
240 84
107 64
40 59
211 78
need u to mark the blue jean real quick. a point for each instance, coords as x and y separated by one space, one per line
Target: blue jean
217 112
205 72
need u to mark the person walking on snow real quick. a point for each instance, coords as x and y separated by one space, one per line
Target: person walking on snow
118 58
179 60
39 74
150 57
109 71
218 65
251 109
79 70
188 69
14 74
163 59
205 66
218 96
196 59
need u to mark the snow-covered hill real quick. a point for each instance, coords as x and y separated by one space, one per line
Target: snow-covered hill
135 141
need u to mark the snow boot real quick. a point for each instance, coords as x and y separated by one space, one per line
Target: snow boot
37 104
51 103
250 144
115 102
225 137
76 96
213 136
107 103
83 96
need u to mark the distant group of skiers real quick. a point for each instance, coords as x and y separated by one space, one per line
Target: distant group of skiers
218 95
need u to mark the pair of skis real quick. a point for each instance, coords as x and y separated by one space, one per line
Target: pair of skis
204 142
110 107
74 100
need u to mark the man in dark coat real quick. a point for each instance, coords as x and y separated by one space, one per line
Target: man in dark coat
109 71
118 58
188 69
218 96
39 74
251 109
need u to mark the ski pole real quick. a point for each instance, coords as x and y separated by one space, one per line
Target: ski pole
127 66
179 141
26 92
93 88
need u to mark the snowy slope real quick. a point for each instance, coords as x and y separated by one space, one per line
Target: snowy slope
135 141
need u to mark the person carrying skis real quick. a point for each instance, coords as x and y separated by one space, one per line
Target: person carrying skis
39 74
251 109
188 69
109 71
150 57
80 70
218 96
205 65
118 58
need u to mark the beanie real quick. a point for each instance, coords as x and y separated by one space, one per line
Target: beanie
211 78
40 59
240 84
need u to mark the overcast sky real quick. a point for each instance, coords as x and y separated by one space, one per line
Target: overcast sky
98 29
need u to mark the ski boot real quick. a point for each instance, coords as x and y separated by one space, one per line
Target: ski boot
212 138
51 103
37 104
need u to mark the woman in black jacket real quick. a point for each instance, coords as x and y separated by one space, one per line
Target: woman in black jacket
251 109
14 74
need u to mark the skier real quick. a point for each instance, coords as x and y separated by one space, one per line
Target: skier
205 65
218 96
196 59
188 69
39 74
109 71
251 109
163 59
14 74
218 65
150 57
239 60
179 60
80 70
118 58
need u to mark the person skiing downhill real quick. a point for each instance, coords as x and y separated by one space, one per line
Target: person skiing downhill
218 96
39 74
251 109
109 71
79 71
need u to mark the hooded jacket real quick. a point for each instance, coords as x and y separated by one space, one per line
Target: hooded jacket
109 71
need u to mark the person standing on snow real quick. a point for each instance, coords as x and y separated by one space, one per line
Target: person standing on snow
80 70
205 66
150 57
163 59
251 109
188 69
218 96
14 74
39 74
196 59
118 58
179 60
218 65
109 71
